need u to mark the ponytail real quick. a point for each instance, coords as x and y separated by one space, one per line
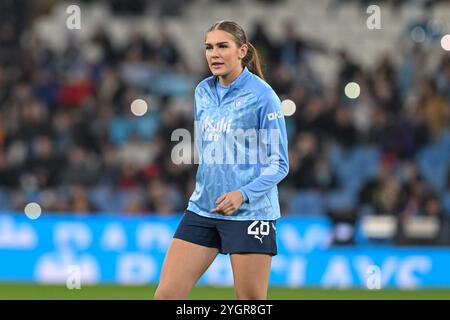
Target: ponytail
252 61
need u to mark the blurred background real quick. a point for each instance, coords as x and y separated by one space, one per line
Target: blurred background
88 181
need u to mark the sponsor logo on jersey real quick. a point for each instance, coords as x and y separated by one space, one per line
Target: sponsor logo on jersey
222 125
274 115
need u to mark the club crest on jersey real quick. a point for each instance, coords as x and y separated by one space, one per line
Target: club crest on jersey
239 103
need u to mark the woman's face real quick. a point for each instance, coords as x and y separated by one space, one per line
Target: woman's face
223 55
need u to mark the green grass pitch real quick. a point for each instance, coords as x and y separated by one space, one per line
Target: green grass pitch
117 292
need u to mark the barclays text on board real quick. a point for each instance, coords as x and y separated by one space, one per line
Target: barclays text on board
130 250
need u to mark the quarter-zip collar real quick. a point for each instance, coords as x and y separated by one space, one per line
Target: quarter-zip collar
245 74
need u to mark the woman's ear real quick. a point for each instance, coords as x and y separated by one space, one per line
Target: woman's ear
243 51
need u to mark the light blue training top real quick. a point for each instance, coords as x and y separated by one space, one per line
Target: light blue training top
242 145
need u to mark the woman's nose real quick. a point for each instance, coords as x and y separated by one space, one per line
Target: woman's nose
215 52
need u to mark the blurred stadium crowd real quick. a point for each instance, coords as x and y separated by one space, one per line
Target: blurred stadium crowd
69 141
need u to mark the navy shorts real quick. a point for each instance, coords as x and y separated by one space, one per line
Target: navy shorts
229 236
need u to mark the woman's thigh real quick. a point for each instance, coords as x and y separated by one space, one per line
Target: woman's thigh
184 264
251 273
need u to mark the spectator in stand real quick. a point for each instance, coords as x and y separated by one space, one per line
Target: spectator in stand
65 119
262 41
381 195
434 109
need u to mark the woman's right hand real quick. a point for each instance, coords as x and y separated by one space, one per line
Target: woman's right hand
228 203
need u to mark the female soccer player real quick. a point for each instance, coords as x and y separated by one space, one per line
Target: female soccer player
234 206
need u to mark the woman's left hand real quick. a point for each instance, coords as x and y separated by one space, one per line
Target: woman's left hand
228 203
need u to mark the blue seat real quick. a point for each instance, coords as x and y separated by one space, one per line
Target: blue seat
354 166
351 179
443 144
335 156
341 199
118 130
306 203
103 199
434 166
366 160
446 202
3 199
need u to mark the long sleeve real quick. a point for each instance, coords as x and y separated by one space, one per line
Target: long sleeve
273 146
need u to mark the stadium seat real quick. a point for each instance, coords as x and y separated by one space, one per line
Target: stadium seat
443 144
354 166
103 199
433 164
306 203
367 159
3 198
338 200
446 202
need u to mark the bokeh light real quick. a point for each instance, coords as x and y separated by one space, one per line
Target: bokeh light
288 107
445 42
33 210
352 90
139 107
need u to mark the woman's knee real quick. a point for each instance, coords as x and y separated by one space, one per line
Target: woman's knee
161 295
169 294
251 294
